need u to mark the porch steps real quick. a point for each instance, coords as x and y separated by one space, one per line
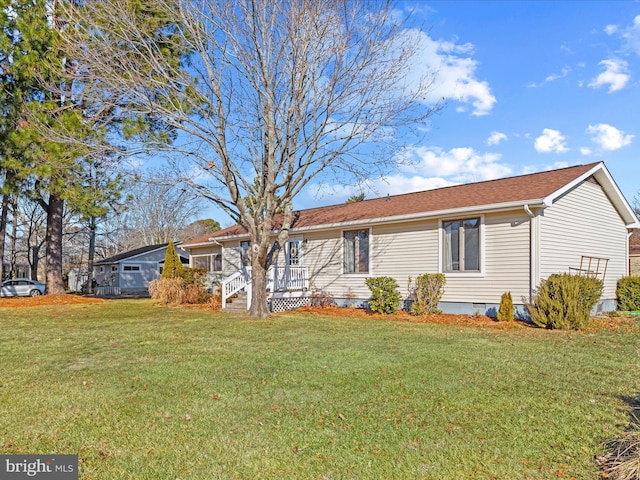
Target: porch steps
237 303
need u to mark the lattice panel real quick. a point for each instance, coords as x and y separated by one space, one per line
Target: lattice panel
289 303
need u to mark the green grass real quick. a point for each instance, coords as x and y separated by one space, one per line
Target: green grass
146 392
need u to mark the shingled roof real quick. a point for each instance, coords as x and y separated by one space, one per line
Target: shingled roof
131 253
531 189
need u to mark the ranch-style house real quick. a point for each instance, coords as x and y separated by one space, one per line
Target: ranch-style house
487 238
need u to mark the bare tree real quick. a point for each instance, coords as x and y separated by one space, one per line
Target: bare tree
158 213
268 95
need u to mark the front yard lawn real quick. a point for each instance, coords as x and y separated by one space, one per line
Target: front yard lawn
140 391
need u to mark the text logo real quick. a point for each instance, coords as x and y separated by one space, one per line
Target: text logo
39 467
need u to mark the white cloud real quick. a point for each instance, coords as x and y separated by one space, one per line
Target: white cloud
608 137
455 73
615 75
550 141
555 76
585 151
630 34
422 169
534 169
496 137
610 29
462 164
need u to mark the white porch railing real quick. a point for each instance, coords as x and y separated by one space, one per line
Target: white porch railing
241 280
284 279
279 279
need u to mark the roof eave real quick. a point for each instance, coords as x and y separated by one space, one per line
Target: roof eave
107 261
493 208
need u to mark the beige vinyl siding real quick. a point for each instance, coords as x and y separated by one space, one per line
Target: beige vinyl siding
506 263
409 249
322 254
396 250
404 250
583 222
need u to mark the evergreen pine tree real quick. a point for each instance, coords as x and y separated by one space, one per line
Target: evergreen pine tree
172 264
506 312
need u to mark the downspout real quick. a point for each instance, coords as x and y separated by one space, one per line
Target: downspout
629 233
533 251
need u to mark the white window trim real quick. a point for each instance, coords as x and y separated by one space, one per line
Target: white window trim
131 265
342 253
211 256
482 232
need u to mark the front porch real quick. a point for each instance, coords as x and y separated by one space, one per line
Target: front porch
287 287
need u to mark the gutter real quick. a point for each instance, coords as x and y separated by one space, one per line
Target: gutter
498 207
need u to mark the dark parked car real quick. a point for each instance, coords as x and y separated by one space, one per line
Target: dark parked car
21 287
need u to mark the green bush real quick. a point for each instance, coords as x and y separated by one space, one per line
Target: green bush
506 313
426 293
192 276
628 293
385 296
565 301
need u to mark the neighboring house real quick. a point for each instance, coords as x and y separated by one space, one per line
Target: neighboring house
130 272
634 260
487 238
77 279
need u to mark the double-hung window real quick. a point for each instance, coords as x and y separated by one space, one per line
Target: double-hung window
356 251
461 245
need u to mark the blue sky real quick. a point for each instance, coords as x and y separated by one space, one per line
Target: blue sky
529 86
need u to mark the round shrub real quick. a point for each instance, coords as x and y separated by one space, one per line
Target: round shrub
385 295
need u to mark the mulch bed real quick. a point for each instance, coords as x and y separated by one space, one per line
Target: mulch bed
609 323
44 300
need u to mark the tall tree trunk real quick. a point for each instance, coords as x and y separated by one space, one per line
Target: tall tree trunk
13 261
35 253
3 230
259 307
55 210
92 253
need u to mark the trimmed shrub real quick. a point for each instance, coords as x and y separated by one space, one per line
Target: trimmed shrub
565 301
506 312
192 275
385 296
426 293
628 293
172 264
